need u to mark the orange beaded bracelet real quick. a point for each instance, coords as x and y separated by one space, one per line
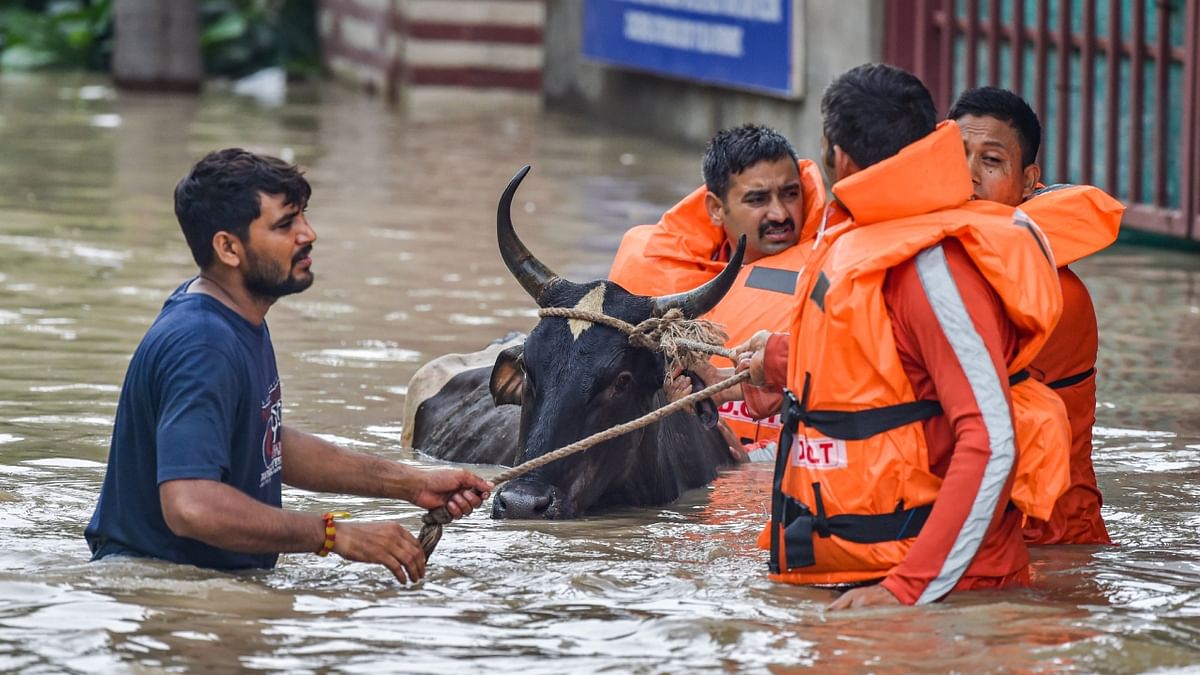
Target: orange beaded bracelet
330 531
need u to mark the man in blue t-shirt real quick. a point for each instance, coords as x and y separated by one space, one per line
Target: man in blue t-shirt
199 449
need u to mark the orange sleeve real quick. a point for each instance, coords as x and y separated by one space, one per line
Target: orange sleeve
1067 362
971 445
1073 346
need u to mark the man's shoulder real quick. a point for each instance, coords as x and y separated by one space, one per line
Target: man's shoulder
633 242
192 320
651 261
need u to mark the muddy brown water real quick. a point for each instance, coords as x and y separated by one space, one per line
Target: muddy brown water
404 203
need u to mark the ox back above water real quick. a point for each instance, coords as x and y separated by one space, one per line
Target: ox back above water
569 379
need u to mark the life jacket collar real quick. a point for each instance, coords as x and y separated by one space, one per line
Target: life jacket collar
686 233
928 175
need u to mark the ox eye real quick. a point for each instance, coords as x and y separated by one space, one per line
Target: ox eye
622 383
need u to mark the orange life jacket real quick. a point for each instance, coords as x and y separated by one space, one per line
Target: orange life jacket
762 298
1078 220
684 249
681 252
855 486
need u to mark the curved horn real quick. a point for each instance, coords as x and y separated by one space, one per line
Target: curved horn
529 271
699 300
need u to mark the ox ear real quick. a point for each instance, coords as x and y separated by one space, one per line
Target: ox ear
508 379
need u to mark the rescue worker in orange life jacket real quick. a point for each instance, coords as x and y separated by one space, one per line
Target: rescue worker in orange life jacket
753 185
914 311
1001 135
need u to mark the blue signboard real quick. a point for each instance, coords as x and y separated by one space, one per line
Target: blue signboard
749 44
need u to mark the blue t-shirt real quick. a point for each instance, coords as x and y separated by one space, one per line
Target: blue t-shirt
201 399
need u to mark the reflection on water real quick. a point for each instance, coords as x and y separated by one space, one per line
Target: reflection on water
404 203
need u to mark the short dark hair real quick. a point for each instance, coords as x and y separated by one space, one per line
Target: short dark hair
732 151
873 110
220 193
1005 106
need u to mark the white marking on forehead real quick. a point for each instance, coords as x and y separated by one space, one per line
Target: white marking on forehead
592 302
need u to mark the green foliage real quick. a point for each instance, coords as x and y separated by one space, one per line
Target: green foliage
237 37
242 36
67 33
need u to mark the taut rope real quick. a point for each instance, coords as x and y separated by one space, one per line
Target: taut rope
677 337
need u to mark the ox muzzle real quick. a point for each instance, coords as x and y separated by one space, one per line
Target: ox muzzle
529 498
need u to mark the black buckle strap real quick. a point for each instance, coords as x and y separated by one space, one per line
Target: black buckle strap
856 426
796 522
1072 380
800 523
1068 381
782 506
863 424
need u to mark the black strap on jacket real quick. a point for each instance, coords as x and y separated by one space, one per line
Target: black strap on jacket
793 523
856 426
1072 380
1068 381
797 522
863 424
780 503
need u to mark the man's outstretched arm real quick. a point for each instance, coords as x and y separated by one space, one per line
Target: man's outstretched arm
224 517
312 463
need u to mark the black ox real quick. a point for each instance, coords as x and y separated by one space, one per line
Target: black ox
567 381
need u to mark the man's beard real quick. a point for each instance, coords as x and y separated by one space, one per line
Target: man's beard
266 279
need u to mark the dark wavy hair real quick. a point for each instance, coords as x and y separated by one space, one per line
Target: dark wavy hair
1005 106
221 191
874 110
732 151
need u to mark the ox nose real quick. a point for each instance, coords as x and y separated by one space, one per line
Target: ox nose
525 500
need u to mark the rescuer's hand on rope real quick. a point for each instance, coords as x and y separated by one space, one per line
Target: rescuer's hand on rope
756 343
460 491
755 363
750 355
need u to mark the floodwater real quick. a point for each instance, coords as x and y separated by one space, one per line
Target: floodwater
404 203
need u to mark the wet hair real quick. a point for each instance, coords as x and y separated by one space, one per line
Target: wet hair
220 193
874 110
732 151
1005 106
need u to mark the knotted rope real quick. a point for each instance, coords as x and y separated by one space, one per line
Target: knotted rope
677 337
673 334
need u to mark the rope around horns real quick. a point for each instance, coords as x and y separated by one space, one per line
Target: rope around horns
677 337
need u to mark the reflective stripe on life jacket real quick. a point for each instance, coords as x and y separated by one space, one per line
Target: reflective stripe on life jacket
858 455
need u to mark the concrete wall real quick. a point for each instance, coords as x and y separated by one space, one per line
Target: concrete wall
397 47
838 36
